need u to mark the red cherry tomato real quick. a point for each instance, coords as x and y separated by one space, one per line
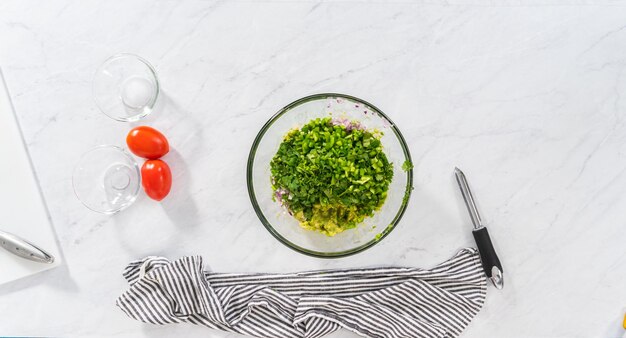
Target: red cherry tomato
147 142
156 179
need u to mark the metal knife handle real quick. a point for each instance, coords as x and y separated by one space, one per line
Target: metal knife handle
489 258
23 248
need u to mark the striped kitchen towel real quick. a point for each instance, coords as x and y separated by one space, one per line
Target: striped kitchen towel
374 302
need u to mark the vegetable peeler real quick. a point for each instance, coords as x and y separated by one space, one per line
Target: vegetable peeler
488 256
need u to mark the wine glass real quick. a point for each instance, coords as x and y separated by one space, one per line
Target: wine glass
106 179
125 87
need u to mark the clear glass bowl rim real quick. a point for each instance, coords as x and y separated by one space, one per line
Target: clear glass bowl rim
268 226
151 104
135 166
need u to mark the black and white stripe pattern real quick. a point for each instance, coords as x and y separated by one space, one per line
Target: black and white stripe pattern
378 302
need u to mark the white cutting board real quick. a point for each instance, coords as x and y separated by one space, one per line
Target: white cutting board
22 208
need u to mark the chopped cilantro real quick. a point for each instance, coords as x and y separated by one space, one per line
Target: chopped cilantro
331 176
407 165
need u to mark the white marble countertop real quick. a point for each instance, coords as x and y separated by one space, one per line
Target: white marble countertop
528 99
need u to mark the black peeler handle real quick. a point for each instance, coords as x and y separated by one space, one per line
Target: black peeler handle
489 257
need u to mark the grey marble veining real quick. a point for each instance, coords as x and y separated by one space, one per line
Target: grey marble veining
526 97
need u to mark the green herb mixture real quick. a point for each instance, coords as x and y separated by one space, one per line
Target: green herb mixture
331 174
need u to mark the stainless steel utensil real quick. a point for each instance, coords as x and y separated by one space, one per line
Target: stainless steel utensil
23 248
491 263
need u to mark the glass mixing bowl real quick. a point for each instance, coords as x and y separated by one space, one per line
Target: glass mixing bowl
285 227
